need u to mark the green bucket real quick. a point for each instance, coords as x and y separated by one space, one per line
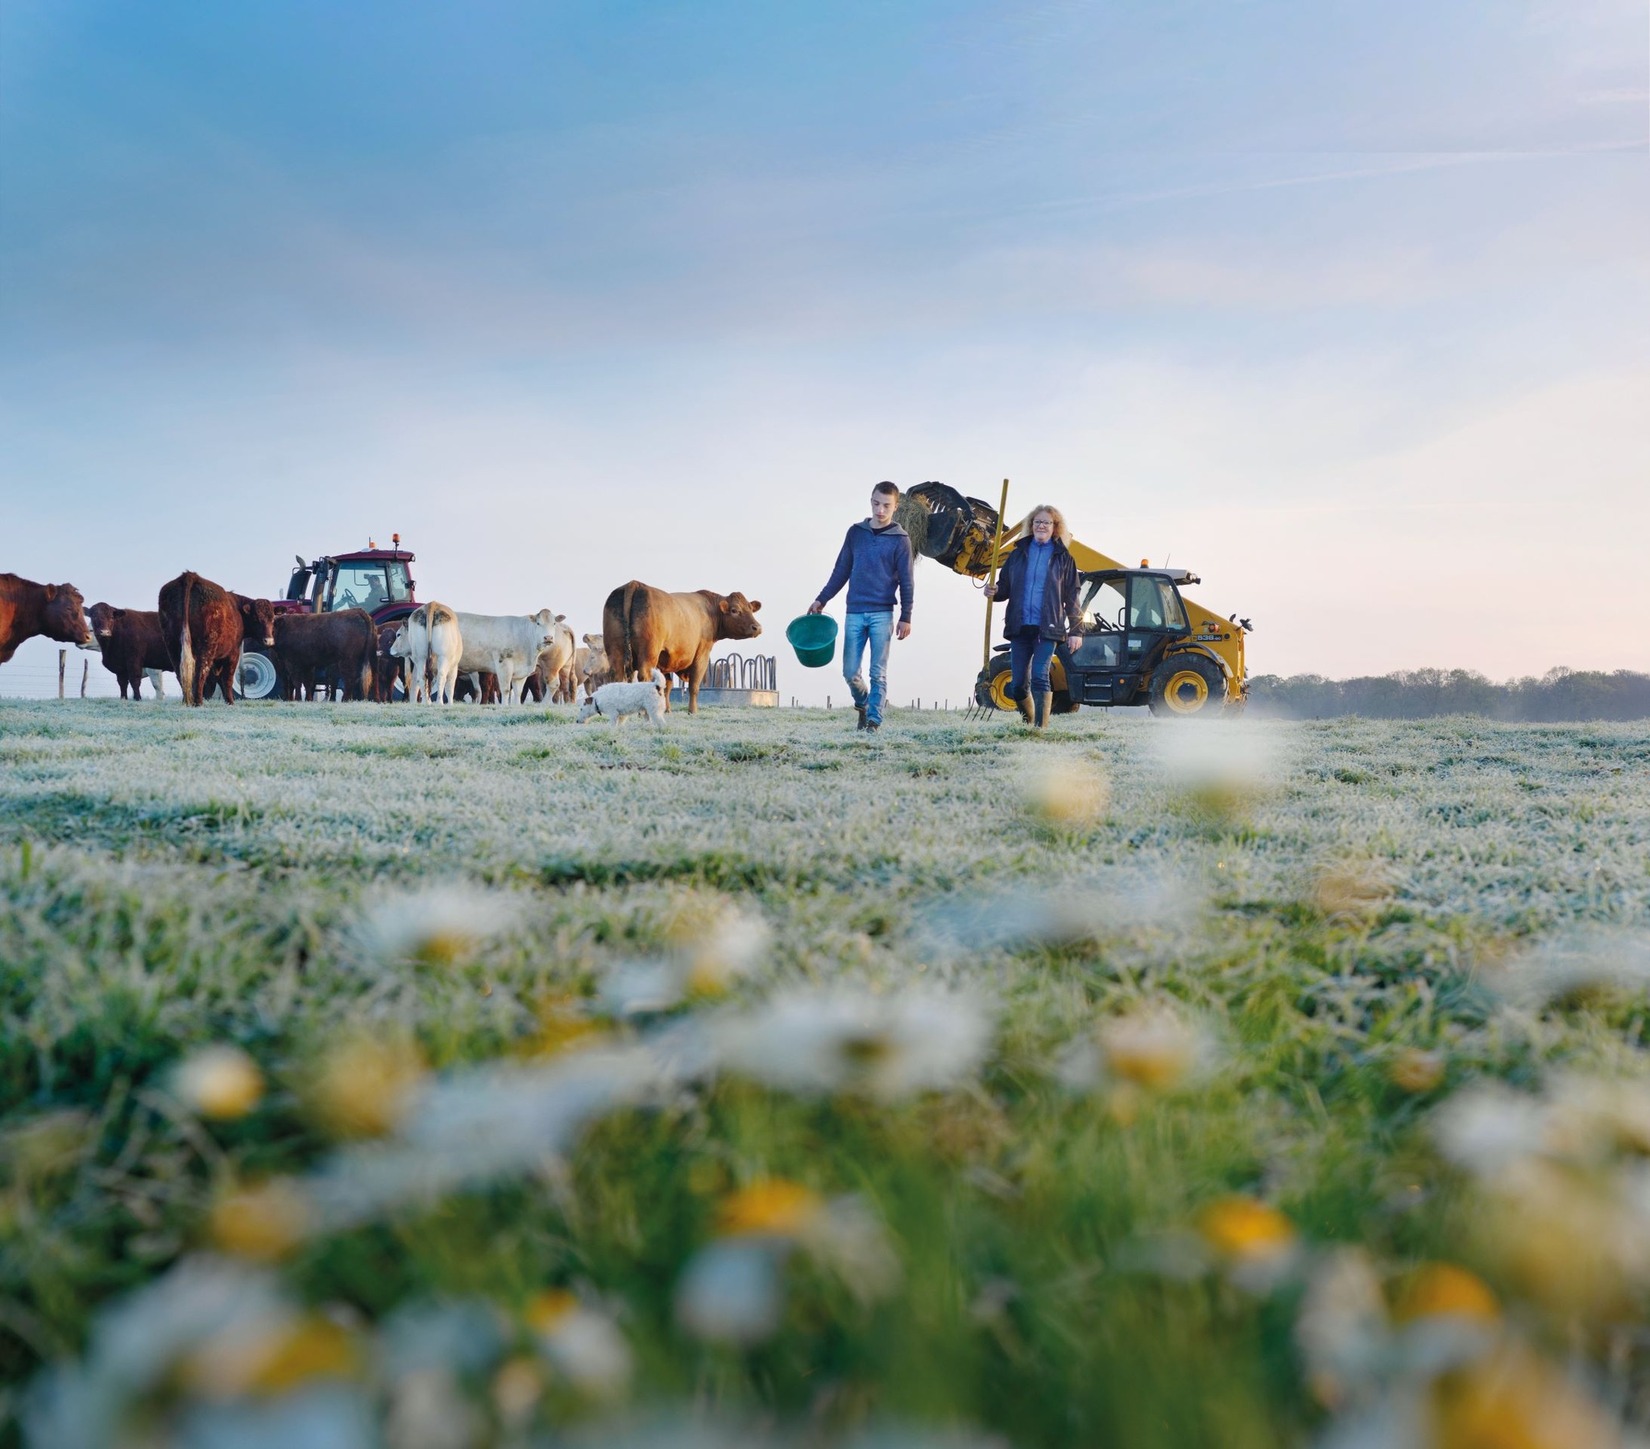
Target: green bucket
813 637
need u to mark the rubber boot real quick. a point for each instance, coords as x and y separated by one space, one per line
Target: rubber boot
1023 704
1043 699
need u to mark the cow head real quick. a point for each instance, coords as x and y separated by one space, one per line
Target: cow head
401 645
737 617
64 615
103 618
257 620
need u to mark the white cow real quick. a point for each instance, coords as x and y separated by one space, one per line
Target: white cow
507 644
430 641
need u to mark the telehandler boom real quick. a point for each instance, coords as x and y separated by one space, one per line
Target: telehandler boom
1144 642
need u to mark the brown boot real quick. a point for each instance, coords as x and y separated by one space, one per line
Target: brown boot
1043 699
1023 704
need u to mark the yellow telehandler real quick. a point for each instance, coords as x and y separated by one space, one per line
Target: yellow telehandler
1144 642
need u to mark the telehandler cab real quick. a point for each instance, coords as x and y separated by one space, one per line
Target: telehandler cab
1143 641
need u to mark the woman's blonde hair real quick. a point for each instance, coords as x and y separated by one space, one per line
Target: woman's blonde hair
1058 518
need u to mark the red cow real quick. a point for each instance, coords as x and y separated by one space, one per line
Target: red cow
28 609
644 629
130 642
204 627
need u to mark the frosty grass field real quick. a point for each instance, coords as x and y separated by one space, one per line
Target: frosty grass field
458 1076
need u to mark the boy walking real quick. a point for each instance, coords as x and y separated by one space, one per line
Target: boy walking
875 563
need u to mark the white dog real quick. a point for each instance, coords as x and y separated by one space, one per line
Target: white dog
615 701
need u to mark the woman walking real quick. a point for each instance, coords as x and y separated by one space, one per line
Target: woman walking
1038 581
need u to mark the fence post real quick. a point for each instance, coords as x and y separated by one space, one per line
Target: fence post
85 669
62 660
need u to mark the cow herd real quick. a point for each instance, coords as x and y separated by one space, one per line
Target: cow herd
199 632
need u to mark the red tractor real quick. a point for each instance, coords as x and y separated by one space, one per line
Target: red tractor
375 579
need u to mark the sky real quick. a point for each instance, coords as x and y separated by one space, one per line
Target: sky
1344 306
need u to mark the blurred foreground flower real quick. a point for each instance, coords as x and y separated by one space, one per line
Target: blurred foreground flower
1066 793
1255 1243
715 943
1219 774
364 1085
731 1291
1508 1397
1151 1050
1574 969
219 1082
852 1041
1565 1184
582 1343
709 944
1084 909
440 926
212 1327
264 1222
269 1356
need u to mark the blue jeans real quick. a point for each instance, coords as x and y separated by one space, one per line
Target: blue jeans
1027 651
858 631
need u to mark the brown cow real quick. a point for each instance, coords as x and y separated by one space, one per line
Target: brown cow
318 649
482 686
204 627
644 629
131 644
387 667
28 609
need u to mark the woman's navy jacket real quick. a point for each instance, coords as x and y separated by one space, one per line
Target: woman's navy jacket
1061 610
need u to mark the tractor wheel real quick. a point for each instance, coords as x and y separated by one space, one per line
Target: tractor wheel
256 679
1187 684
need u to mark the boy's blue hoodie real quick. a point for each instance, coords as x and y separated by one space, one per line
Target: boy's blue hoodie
874 563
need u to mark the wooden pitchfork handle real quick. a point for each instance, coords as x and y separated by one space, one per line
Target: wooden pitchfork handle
991 576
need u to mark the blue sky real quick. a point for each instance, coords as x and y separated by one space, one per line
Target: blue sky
1344 305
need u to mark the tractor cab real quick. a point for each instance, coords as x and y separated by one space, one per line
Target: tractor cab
375 579
1137 646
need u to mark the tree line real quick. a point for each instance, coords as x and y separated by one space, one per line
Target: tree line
1558 695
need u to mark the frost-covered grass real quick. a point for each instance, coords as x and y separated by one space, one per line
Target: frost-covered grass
1030 1086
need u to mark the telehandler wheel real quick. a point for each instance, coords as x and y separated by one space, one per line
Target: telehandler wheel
993 693
1186 684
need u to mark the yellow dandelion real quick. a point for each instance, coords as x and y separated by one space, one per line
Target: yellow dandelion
772 1207
1415 1070
1244 1229
219 1082
363 1087
1067 794
263 1223
1439 1290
